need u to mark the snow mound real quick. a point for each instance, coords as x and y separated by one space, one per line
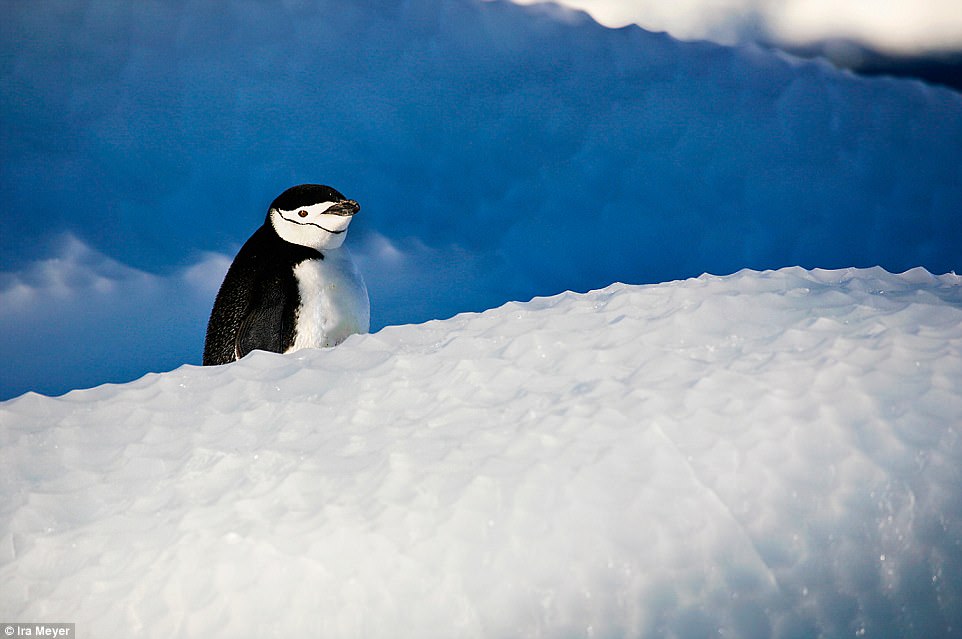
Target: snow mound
765 454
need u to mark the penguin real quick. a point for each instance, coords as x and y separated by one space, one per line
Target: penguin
293 284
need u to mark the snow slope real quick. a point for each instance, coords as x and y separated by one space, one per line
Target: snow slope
768 454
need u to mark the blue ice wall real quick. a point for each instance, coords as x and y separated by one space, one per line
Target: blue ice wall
498 152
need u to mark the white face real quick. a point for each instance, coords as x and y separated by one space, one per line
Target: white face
311 226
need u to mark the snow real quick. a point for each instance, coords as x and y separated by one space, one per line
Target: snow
773 453
766 454
80 318
901 27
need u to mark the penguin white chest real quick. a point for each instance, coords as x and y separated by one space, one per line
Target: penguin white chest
333 301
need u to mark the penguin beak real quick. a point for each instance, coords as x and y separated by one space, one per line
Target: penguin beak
346 208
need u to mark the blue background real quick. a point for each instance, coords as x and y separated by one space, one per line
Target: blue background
498 152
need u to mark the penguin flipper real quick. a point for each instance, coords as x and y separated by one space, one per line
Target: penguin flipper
261 328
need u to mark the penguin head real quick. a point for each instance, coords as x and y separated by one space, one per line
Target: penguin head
312 215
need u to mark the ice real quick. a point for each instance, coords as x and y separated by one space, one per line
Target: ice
904 28
769 453
499 152
79 318
766 454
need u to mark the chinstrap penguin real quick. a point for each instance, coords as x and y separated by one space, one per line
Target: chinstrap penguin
292 285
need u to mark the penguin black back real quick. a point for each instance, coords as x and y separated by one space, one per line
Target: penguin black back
256 304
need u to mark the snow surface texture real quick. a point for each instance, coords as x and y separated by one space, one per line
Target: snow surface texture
773 454
499 152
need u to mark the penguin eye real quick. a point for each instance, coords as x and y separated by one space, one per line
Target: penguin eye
302 213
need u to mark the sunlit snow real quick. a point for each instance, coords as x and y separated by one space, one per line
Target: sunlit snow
768 454
898 26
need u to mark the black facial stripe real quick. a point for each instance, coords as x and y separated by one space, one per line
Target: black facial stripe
312 224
